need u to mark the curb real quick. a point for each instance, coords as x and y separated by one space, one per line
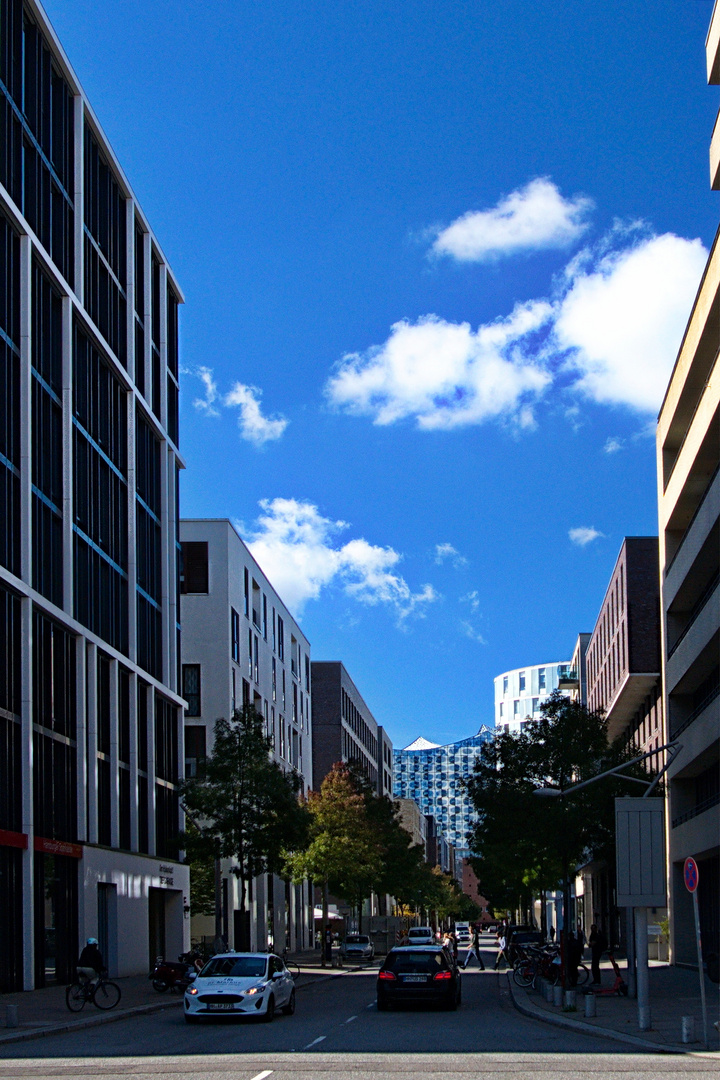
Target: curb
124 1014
527 1009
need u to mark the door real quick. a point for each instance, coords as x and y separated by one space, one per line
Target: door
156 925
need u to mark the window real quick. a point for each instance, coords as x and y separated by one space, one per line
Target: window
256 660
274 679
535 704
522 681
195 749
191 688
281 638
194 576
307 674
501 708
246 579
541 678
516 707
256 604
235 635
264 617
505 684
250 653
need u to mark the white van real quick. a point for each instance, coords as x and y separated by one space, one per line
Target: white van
463 933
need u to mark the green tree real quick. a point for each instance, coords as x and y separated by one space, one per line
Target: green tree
524 844
244 806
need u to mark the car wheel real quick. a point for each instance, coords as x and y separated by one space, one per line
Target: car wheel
160 985
289 1009
190 1019
270 1011
382 1005
451 1005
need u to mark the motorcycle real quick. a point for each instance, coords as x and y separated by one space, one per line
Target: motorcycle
169 975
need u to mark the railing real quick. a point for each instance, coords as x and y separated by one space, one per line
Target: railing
696 609
690 422
675 731
691 522
706 804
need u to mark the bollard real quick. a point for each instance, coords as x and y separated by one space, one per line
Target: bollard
688 1028
548 991
557 996
11 1016
590 1005
569 1000
644 1017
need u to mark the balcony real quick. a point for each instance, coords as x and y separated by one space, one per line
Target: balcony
569 680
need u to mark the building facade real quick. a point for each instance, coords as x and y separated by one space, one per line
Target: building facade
431 775
520 693
688 469
90 714
241 646
344 729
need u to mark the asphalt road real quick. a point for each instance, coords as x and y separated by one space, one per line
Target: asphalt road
337 1033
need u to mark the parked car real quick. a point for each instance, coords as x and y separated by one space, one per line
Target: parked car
420 935
357 947
463 934
240 984
418 974
521 935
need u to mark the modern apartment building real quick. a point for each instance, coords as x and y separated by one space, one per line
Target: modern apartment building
623 655
688 459
242 646
431 775
90 715
520 693
344 729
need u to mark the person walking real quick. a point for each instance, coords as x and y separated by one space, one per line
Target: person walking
474 950
598 945
501 946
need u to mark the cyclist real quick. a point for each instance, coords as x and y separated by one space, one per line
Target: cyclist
90 964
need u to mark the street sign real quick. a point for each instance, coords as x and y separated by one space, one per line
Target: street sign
691 875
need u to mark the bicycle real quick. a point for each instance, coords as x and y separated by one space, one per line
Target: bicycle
103 994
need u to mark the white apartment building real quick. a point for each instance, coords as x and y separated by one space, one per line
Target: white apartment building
520 693
241 645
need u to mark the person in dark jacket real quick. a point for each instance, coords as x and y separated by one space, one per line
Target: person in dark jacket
474 950
598 945
91 964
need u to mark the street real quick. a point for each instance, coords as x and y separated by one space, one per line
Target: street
336 1032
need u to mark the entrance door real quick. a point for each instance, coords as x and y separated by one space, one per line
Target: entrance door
56 918
156 921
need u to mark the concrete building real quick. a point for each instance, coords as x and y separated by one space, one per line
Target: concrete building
242 646
520 693
688 458
344 729
90 715
430 775
413 821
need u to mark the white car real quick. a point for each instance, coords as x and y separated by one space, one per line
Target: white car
241 984
421 935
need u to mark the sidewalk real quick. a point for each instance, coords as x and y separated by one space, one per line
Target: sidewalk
674 993
44 1012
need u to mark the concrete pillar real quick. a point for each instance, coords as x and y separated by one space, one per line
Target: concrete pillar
643 979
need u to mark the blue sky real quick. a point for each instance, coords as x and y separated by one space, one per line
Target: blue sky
437 260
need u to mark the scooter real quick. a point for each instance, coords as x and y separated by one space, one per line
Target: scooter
168 975
618 988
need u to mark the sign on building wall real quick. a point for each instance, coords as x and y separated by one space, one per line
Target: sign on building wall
640 852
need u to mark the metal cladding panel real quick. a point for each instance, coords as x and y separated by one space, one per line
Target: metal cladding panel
640 852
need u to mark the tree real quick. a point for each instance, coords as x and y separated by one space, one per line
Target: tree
342 855
245 807
523 845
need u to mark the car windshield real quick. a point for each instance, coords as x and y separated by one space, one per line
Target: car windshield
238 967
420 931
357 939
411 962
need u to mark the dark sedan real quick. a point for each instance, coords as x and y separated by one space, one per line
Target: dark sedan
413 974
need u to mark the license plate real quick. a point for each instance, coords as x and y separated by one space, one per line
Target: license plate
415 978
224 1007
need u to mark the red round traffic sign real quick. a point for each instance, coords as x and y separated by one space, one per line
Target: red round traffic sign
691 875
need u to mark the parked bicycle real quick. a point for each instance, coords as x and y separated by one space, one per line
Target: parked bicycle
102 993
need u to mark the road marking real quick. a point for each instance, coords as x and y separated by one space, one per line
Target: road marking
371 1005
263 1075
351 1020
319 1039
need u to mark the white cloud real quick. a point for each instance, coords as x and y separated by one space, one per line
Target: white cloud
471 598
613 444
445 375
297 548
447 551
623 319
254 427
207 404
584 535
531 218
470 631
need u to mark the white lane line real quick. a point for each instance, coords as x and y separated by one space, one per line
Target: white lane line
371 1005
319 1039
351 1020
264 1074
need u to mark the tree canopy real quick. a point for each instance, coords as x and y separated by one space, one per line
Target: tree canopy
524 844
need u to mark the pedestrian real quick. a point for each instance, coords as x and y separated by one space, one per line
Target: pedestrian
573 954
90 966
598 945
501 940
474 950
552 934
